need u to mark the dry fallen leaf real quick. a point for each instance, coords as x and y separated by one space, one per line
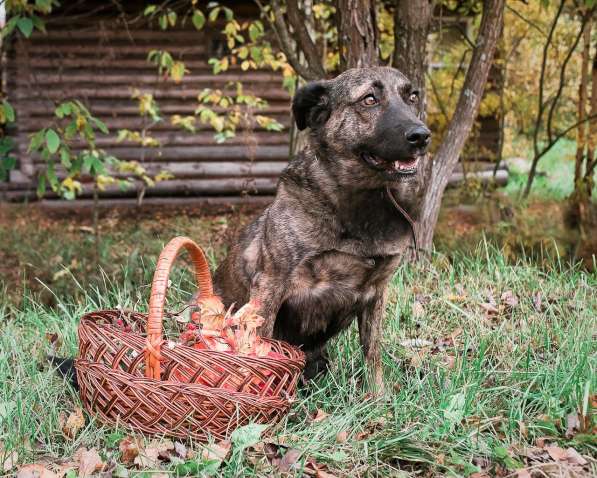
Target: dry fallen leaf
320 415
62 469
574 458
164 447
324 474
71 425
418 310
148 457
490 309
180 449
35 471
523 473
10 460
509 298
89 462
342 436
288 461
216 451
129 447
572 425
556 453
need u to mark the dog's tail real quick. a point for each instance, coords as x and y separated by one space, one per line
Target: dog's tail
66 368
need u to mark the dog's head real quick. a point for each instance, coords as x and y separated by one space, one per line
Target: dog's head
366 117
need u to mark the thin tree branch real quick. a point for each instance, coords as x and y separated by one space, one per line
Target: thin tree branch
440 103
544 151
285 42
306 44
562 80
526 20
541 106
464 36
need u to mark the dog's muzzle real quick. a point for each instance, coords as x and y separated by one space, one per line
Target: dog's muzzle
399 167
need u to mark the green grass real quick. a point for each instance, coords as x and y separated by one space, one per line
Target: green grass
501 383
555 173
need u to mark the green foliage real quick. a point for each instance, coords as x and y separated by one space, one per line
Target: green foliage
7 161
248 46
59 145
24 16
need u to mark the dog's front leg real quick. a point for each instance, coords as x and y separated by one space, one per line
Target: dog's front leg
370 324
269 295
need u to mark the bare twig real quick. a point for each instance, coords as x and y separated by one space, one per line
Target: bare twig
541 105
562 80
306 44
526 20
285 42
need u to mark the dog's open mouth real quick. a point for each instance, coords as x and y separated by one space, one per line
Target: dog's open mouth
403 166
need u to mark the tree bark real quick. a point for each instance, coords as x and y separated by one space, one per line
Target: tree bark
411 27
357 33
460 126
582 107
592 136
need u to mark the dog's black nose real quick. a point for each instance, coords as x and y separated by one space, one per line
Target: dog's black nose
418 136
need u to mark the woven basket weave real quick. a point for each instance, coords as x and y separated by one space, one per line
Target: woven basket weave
139 380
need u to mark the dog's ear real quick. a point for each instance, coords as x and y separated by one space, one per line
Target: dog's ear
310 105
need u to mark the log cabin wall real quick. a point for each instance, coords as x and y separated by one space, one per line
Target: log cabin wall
98 54
96 51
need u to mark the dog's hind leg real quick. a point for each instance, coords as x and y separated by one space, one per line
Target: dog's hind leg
317 363
370 324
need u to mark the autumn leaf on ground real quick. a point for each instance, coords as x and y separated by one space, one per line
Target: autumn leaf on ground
509 298
523 473
286 462
9 460
89 462
129 447
216 451
569 455
418 310
490 310
180 449
341 436
71 425
35 471
572 424
319 416
148 457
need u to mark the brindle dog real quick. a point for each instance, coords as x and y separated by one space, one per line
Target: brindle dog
323 252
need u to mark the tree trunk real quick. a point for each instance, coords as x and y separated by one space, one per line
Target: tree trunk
460 126
592 136
581 137
585 188
411 27
357 33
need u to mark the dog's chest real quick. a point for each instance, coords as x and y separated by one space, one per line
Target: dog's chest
371 226
327 291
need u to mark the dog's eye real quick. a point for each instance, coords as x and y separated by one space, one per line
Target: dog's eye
414 97
369 100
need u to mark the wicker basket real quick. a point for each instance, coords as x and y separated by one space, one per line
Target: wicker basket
137 379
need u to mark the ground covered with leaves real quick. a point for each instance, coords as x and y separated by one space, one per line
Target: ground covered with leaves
489 367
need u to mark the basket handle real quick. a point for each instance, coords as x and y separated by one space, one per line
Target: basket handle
159 288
